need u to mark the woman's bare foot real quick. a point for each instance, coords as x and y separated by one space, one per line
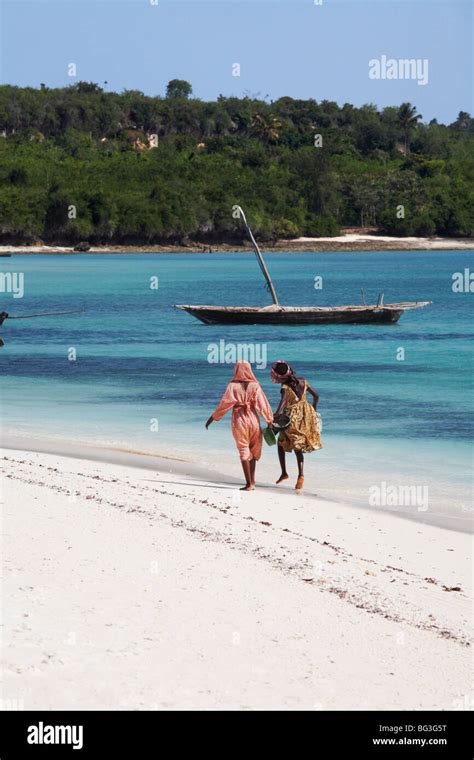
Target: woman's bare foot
299 483
248 487
283 476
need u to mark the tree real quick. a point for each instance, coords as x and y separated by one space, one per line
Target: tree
86 87
178 88
407 120
267 128
463 123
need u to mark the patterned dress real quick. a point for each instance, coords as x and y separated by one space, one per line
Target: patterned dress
303 433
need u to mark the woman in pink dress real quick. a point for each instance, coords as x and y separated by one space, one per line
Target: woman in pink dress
247 400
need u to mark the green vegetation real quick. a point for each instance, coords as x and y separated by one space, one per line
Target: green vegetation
79 163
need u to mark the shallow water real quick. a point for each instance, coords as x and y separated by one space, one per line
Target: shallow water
141 379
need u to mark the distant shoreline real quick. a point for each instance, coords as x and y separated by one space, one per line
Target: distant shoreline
351 242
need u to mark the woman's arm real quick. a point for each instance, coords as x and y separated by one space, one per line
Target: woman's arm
314 395
263 407
282 404
225 404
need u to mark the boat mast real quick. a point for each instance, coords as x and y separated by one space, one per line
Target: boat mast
259 257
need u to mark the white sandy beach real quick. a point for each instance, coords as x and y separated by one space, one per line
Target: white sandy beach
131 588
430 244
349 241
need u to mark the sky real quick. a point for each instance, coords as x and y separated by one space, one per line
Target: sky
297 48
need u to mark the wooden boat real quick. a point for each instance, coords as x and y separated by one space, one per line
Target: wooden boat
276 314
300 315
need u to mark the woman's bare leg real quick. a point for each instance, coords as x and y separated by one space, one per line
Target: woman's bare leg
249 486
282 460
253 465
300 461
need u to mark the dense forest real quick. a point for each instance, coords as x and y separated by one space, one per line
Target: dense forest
79 163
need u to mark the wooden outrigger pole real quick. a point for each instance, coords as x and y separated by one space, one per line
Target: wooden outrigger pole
4 316
45 314
259 257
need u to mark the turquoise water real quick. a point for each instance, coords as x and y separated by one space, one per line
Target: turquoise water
141 379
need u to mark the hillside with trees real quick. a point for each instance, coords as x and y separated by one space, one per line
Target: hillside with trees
79 163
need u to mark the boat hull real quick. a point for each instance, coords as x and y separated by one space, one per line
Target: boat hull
221 315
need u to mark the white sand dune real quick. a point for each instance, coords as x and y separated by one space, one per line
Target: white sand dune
127 588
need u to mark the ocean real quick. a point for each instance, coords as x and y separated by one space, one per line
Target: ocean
131 372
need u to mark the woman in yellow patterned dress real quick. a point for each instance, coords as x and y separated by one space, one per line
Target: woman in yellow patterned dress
302 435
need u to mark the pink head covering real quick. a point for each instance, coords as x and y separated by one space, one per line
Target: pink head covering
243 373
286 372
